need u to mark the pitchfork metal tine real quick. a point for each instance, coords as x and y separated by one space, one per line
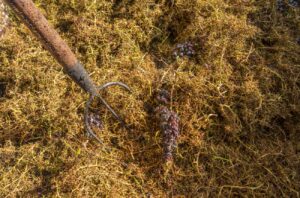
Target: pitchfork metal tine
59 49
86 120
107 105
112 111
88 104
114 83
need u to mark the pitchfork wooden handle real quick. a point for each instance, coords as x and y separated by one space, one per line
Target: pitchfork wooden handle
39 25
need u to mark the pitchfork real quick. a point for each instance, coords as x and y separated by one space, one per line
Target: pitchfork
39 25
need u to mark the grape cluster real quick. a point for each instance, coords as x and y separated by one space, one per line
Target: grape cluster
163 97
283 5
3 17
294 3
184 49
95 120
169 124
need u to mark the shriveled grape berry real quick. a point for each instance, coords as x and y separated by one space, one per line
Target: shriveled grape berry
282 6
184 49
169 124
95 120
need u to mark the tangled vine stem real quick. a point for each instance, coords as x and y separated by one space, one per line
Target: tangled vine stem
88 127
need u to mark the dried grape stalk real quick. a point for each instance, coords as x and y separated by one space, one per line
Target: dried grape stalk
3 18
169 124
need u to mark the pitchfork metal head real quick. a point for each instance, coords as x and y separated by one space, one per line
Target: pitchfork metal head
59 49
88 127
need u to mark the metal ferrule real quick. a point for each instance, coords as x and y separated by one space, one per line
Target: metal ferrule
81 77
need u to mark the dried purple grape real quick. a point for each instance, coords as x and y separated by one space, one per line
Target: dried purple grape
169 124
282 5
294 3
184 49
95 120
163 97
